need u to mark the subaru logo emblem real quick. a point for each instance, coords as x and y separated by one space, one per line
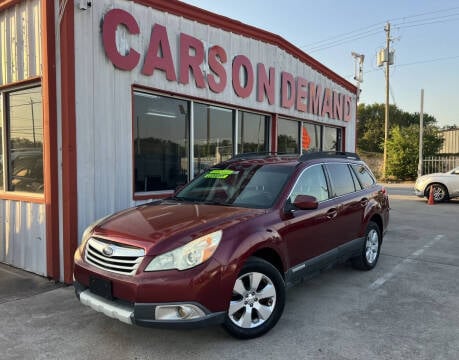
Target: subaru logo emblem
107 251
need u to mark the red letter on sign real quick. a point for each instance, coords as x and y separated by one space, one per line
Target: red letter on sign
347 108
245 90
338 105
314 98
301 94
287 90
159 54
265 84
327 103
191 62
215 53
112 20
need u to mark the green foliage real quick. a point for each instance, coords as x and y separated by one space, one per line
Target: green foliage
370 124
403 138
403 150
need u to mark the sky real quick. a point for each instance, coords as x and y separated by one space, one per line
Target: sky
424 33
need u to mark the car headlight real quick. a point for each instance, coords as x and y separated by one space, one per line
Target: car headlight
188 255
88 231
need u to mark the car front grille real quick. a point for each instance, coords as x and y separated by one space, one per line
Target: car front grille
117 258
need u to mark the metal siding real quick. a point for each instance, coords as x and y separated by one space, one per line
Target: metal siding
451 143
20 45
22 237
104 102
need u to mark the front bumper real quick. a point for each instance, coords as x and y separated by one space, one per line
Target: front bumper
144 314
418 192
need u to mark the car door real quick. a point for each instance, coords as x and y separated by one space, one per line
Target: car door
309 233
347 191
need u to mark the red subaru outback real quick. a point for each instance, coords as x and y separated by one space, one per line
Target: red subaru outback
224 248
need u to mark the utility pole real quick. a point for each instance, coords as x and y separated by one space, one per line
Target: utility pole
386 117
421 133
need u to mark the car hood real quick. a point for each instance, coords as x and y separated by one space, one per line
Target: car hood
163 226
430 176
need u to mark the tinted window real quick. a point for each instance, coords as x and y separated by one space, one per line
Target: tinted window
252 132
288 141
311 182
213 136
25 140
341 178
310 137
160 142
364 176
331 139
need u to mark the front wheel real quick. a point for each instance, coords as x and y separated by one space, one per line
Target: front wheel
257 301
440 193
369 254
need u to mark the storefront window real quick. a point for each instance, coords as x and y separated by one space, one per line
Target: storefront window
252 132
331 139
310 138
25 140
160 142
288 141
1 143
213 135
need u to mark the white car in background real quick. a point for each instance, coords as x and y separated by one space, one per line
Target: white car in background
445 185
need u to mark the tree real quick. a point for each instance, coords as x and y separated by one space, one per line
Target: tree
371 123
403 149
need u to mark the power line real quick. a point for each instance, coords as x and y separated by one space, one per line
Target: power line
412 63
428 23
342 35
370 30
336 43
427 19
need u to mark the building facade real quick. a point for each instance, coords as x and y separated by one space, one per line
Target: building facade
451 142
108 105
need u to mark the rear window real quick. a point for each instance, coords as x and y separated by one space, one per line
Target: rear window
363 174
341 179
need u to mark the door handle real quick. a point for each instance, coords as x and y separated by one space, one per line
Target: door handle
332 213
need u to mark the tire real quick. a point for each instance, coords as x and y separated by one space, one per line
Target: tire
257 302
440 193
369 254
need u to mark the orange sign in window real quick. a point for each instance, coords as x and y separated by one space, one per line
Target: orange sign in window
305 139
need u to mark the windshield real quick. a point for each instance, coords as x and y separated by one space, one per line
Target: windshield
246 185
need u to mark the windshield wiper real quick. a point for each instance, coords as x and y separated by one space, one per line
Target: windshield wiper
214 202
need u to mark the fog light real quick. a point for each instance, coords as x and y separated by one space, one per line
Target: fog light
178 312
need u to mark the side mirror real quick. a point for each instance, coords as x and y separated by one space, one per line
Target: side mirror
305 202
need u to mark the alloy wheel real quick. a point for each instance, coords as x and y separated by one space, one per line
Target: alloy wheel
253 300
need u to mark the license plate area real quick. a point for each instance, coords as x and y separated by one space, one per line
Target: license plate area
101 287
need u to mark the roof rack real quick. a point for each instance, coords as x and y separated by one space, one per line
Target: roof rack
260 155
329 154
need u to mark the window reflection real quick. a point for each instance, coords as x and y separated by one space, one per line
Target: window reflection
310 137
160 142
252 132
331 139
1 143
288 141
25 139
213 136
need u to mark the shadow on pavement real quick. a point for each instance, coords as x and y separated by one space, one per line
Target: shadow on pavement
17 284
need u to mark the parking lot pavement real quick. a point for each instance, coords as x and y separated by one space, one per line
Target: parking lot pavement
406 308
